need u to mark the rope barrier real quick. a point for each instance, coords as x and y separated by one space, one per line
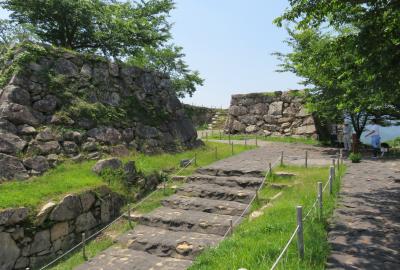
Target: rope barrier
285 248
115 220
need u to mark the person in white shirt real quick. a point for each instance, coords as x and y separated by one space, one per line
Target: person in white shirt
347 136
375 137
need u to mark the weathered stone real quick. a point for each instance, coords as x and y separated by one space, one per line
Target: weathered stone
106 134
41 242
259 108
70 147
11 168
15 94
85 222
13 216
87 200
7 126
46 105
74 136
44 213
18 114
303 112
275 108
26 130
61 120
21 263
44 148
37 163
69 208
105 211
147 132
310 129
251 129
46 135
59 230
128 134
66 67
11 144
89 146
9 252
53 160
110 163
86 71
237 110
119 150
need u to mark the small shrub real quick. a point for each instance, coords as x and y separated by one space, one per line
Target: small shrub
355 157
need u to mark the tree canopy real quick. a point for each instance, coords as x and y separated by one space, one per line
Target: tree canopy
137 31
348 53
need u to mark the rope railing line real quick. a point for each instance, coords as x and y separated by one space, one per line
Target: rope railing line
285 248
252 200
115 220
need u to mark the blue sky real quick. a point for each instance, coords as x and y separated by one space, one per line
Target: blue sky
230 43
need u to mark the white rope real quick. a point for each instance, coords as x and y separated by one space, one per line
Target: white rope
285 248
115 220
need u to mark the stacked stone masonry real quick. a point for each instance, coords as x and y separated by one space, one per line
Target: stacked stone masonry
271 114
62 105
31 239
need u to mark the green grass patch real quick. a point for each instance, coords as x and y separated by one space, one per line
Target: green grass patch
256 244
72 177
242 137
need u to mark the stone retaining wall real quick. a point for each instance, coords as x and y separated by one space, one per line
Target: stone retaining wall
30 239
271 114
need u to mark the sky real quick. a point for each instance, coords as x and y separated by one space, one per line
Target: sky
230 43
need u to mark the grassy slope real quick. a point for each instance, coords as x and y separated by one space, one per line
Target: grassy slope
256 244
72 177
204 157
310 141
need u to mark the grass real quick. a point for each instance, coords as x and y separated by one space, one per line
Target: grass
73 177
256 244
303 140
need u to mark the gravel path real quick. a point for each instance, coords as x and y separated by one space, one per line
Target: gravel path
365 232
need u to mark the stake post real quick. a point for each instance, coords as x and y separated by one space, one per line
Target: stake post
300 238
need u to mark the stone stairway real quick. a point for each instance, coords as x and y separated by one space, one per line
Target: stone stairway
218 120
196 217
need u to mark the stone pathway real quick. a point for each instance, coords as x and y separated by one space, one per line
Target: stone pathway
199 214
365 233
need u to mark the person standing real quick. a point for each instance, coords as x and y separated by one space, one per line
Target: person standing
375 137
347 136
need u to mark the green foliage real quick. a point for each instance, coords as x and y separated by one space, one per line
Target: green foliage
355 157
349 51
11 33
112 28
169 60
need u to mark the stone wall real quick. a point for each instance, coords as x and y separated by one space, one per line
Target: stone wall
29 239
57 104
271 114
200 116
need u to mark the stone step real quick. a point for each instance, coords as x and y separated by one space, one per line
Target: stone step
229 181
166 243
216 192
187 220
204 205
128 259
221 172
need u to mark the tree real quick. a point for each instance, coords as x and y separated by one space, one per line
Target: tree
13 33
340 84
348 53
111 27
169 60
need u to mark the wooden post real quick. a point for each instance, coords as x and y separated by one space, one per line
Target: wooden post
232 148
306 160
282 158
257 198
229 137
83 246
245 142
231 226
164 184
216 152
206 135
300 239
129 215
270 169
220 135
195 159
334 163
331 177
320 199
256 140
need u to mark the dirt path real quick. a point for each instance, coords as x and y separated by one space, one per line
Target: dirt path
365 233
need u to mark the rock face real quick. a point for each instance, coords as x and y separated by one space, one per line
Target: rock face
271 114
26 242
72 105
